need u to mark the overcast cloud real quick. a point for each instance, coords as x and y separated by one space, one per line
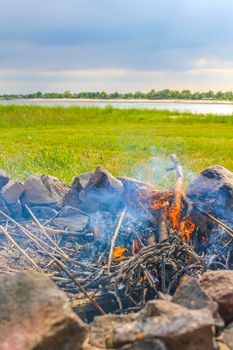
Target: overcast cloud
128 45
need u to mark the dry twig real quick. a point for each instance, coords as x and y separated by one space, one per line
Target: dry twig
217 221
6 233
114 237
45 233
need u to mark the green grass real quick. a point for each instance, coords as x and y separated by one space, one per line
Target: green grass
68 141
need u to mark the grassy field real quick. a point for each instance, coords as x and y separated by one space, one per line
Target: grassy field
68 141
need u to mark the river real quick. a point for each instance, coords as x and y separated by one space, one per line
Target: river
219 108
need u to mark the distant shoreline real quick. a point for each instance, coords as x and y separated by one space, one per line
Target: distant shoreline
184 101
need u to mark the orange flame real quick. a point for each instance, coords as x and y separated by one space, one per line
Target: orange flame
118 253
160 202
184 227
163 200
174 212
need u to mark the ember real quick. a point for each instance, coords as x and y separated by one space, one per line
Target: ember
118 253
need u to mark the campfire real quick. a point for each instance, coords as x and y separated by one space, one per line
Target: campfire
112 244
115 244
124 247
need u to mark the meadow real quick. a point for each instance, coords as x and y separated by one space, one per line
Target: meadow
69 141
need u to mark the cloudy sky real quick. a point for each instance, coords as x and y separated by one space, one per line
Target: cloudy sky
124 45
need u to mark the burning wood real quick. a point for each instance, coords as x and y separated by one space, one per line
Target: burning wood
114 237
174 208
137 254
154 268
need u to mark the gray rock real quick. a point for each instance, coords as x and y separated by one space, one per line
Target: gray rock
102 326
73 223
192 296
228 336
12 192
36 193
102 192
71 219
219 287
72 199
3 208
80 182
152 344
56 187
35 314
16 210
133 187
212 191
182 329
134 190
4 178
72 196
131 183
44 212
68 211
155 308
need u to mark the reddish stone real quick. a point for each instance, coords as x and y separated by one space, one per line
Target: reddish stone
219 286
35 314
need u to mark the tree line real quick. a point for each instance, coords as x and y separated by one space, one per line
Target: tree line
151 95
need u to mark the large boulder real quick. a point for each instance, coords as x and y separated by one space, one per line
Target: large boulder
212 191
16 210
135 191
75 223
56 187
138 196
79 183
176 326
4 178
36 193
155 308
71 219
3 208
219 287
12 193
191 295
35 314
102 192
133 187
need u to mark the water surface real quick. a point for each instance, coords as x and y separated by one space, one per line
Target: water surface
192 107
